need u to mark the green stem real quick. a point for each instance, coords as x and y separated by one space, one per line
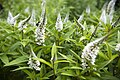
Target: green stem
94 32
54 69
22 34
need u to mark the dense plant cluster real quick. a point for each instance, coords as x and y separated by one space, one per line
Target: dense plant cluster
43 43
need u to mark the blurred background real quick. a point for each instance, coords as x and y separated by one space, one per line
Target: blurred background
73 7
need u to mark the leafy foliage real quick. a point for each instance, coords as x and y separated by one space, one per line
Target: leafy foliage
60 56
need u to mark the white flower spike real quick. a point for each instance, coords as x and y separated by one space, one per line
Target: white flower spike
12 20
32 20
34 63
103 17
110 6
110 9
40 35
40 30
90 53
59 23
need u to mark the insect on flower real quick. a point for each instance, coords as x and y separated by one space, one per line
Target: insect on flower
12 20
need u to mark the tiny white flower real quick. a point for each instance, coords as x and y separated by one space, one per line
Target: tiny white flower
32 20
22 24
12 20
88 10
66 18
80 18
43 8
117 47
59 23
26 10
103 17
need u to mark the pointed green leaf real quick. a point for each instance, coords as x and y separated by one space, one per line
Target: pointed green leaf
76 55
118 36
17 61
101 54
67 35
21 68
53 52
4 58
109 51
67 58
43 61
14 46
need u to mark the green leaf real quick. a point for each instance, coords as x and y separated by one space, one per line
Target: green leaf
76 55
12 53
118 36
67 58
14 46
29 73
101 54
109 77
53 51
118 64
49 74
60 61
42 70
21 68
52 32
109 51
44 78
24 42
67 35
73 67
43 61
17 61
105 63
114 56
68 73
96 73
6 35
4 58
